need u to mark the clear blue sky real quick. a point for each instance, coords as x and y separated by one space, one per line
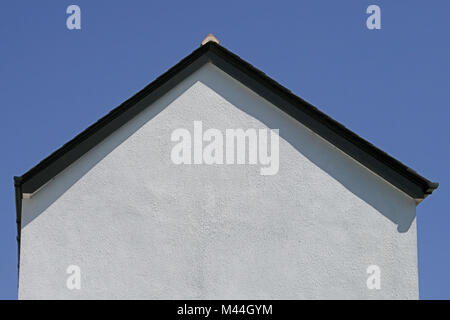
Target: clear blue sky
391 86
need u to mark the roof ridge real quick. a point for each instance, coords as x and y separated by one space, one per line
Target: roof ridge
211 51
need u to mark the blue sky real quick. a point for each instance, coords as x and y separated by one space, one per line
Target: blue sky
391 86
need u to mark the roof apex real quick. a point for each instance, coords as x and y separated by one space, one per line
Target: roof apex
210 38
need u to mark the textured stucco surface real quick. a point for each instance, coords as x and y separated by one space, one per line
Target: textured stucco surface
140 226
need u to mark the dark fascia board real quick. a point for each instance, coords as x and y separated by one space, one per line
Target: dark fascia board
361 150
378 161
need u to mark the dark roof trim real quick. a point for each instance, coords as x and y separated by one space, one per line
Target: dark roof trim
36 177
18 192
392 170
364 152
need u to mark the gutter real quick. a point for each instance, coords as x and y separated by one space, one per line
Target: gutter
18 191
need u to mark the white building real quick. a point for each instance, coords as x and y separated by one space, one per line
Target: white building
139 226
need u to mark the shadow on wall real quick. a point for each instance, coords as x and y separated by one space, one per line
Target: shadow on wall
379 194
56 187
385 198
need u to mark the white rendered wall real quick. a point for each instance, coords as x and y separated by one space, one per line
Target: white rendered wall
140 226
